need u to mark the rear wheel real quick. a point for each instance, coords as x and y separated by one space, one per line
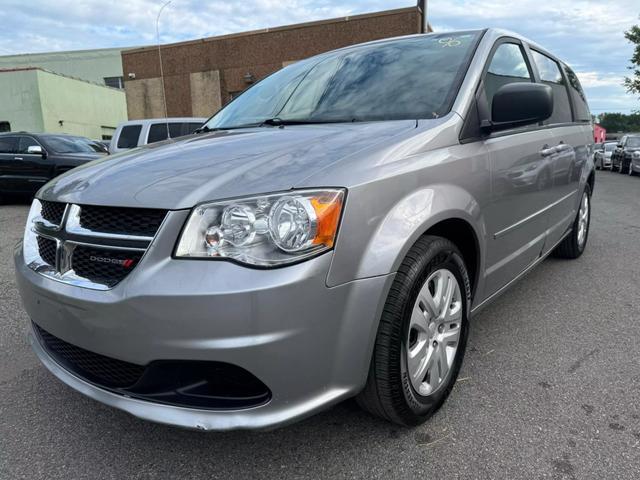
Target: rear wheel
574 244
422 335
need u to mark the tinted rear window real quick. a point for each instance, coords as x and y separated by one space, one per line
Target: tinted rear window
129 136
158 131
582 113
8 144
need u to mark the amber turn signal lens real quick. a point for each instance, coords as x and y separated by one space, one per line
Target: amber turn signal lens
328 209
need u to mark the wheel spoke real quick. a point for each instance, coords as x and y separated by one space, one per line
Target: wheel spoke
451 334
418 319
418 362
443 364
447 295
428 302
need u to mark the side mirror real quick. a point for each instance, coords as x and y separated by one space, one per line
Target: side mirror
36 150
518 104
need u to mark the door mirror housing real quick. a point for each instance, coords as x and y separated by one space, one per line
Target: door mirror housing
36 150
519 104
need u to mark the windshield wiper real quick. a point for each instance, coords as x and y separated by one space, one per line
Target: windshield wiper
277 122
205 128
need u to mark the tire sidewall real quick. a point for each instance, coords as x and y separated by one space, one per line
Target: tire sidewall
452 261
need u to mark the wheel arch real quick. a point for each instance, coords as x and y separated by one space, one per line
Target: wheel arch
445 210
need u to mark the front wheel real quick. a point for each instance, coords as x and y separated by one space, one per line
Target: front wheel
574 244
422 335
622 169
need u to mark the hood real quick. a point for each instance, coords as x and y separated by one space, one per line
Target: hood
217 165
81 157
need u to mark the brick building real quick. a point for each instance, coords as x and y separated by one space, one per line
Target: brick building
202 75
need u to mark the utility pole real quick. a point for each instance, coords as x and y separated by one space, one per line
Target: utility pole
424 25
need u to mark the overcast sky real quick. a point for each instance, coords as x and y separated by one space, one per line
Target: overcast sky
586 34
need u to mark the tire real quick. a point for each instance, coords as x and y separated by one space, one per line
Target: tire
622 169
574 244
390 392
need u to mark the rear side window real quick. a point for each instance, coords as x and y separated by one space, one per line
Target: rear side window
550 74
508 65
582 113
129 136
8 144
158 131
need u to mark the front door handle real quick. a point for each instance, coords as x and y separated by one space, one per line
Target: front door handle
547 151
18 158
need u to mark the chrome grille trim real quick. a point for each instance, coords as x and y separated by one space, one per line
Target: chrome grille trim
68 236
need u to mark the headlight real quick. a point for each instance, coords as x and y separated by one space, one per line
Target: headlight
265 230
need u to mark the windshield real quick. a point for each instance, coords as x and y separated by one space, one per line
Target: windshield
633 142
60 144
609 147
410 78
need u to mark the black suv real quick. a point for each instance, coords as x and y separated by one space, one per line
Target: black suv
621 158
29 160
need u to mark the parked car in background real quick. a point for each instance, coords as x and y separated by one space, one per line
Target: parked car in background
634 166
602 155
29 160
625 149
327 234
142 132
103 144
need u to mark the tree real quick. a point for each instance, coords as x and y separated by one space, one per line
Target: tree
620 122
633 83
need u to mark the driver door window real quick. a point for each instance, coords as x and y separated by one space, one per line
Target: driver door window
508 65
25 143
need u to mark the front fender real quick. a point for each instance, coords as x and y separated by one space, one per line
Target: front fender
409 218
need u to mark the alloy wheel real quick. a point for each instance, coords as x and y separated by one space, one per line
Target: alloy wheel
583 220
434 332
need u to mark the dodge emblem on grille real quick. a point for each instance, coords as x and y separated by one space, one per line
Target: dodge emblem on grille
126 263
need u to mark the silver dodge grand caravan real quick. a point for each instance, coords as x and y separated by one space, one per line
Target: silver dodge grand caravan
328 234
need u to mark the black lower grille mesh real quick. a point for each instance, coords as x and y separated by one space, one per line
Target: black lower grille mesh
123 221
92 366
103 265
52 211
47 250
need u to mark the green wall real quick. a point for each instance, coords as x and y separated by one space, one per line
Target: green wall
20 101
90 65
84 108
36 101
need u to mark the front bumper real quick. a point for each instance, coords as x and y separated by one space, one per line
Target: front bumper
310 344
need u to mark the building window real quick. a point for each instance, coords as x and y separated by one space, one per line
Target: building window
114 82
5 127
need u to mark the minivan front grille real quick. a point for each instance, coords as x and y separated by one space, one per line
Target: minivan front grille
122 221
102 265
91 246
53 212
47 250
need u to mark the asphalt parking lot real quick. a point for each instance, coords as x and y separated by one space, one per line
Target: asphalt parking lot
550 388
